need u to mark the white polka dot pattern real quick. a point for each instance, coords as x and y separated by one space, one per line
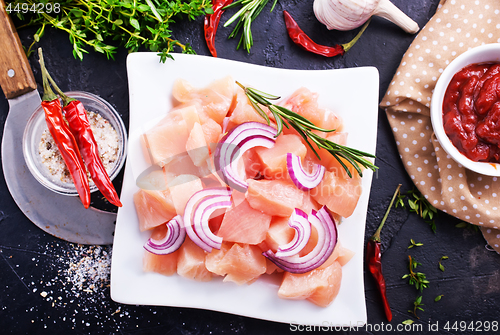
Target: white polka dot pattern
457 26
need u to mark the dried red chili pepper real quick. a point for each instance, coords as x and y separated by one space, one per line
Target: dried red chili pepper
63 138
212 22
374 262
300 38
79 125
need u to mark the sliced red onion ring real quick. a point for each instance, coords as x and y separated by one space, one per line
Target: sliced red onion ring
197 213
171 242
300 177
234 144
327 239
299 222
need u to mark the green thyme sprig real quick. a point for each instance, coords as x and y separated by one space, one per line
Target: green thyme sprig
417 305
441 266
415 278
249 11
105 25
285 117
420 205
414 244
468 226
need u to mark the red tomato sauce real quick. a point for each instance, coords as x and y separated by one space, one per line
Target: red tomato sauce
471 112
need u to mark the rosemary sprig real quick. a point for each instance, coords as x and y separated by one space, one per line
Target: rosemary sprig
285 117
249 11
418 279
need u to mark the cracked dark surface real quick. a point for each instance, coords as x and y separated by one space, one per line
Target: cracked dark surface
29 258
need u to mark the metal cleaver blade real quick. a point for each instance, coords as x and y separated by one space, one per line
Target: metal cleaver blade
59 215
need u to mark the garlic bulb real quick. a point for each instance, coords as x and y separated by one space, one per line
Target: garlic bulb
350 14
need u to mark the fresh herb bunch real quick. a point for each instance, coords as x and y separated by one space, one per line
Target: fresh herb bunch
250 9
129 23
420 205
288 118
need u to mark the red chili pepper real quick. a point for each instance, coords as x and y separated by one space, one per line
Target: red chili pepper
64 139
212 22
79 125
300 38
374 262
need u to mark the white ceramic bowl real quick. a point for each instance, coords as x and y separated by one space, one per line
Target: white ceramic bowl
36 126
481 54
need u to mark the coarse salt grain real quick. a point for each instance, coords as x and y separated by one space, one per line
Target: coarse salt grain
107 142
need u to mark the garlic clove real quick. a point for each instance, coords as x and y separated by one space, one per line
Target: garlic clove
343 14
389 11
351 14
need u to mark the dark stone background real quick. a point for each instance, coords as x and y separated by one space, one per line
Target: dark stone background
32 261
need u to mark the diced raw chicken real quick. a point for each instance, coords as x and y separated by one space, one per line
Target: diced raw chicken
339 254
338 192
163 264
166 139
345 255
182 188
212 131
190 115
243 224
196 145
214 99
153 208
274 159
191 262
182 164
320 286
248 165
182 143
279 233
244 111
241 264
309 204
305 103
215 222
274 197
251 161
152 178
327 159
313 240
271 267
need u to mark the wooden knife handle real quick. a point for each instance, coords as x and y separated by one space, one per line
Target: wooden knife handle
16 77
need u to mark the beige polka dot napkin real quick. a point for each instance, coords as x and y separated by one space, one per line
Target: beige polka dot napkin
457 26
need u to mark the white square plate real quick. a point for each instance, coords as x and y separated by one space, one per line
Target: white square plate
351 93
